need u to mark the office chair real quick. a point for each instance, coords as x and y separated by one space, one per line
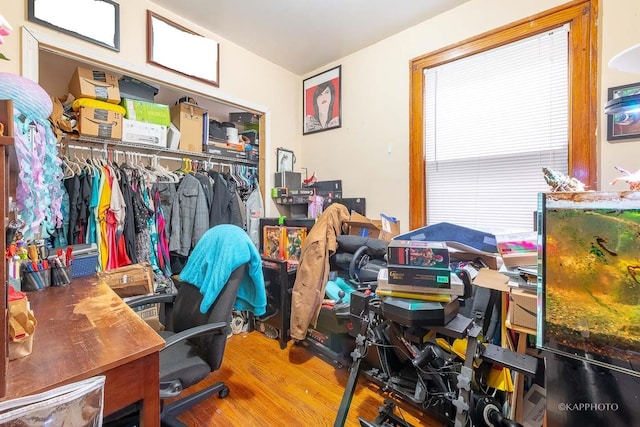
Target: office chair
195 343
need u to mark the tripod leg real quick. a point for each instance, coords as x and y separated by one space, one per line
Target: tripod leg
354 373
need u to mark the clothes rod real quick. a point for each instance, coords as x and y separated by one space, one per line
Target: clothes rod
120 152
178 156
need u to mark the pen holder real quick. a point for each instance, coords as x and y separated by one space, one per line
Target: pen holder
60 276
35 280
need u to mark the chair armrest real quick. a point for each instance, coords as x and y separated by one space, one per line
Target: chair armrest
209 328
134 302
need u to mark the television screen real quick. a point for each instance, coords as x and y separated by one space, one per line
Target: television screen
589 277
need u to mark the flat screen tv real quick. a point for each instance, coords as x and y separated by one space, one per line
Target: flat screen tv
589 277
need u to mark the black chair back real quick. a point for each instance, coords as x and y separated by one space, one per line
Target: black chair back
186 314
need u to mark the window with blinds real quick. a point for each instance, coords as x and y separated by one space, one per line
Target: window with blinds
492 121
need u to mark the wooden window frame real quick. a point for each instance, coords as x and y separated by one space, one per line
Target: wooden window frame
582 17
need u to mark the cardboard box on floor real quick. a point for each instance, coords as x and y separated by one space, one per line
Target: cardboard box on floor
384 228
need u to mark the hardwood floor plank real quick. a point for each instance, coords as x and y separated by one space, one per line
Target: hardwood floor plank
290 387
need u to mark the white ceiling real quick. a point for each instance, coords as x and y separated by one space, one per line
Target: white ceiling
303 35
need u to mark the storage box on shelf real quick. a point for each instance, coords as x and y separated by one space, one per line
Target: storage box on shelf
133 88
144 111
189 119
94 84
244 118
144 133
100 123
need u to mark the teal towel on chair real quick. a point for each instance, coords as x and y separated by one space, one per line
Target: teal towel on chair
217 254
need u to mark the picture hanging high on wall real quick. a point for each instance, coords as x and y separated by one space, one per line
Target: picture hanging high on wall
321 101
95 21
623 125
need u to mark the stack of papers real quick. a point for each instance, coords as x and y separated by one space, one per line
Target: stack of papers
524 277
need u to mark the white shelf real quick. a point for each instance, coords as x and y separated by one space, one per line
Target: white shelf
126 146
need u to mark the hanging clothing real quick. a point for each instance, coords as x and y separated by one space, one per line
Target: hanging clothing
220 212
93 207
254 211
115 226
72 185
189 216
101 223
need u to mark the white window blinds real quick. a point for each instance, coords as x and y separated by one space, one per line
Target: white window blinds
492 121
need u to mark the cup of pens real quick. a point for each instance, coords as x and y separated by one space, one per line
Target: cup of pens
35 276
60 273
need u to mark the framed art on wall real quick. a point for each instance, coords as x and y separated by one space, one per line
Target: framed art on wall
623 125
176 48
286 160
321 101
95 21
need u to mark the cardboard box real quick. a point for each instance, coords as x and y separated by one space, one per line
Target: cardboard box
150 313
131 280
99 123
189 119
456 287
523 308
95 84
491 279
385 228
418 253
419 276
144 133
144 111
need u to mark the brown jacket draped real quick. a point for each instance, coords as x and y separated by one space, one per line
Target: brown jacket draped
313 270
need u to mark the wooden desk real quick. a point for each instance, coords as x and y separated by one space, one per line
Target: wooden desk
84 330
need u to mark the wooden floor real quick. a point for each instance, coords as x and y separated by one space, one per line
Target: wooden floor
290 387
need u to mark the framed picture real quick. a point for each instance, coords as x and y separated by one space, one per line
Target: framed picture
286 160
321 101
176 48
95 21
623 125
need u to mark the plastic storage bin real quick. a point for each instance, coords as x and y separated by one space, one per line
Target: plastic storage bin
84 265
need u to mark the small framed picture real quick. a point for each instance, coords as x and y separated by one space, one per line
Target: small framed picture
321 101
624 125
286 160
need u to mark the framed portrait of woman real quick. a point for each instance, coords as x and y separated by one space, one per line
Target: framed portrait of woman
321 101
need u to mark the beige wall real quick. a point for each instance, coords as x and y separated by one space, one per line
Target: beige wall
375 97
370 151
